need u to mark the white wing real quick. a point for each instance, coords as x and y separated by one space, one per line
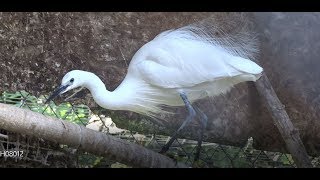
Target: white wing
194 54
191 74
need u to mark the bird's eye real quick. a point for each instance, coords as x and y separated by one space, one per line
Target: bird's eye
71 80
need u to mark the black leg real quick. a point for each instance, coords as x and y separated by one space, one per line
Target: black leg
203 123
191 115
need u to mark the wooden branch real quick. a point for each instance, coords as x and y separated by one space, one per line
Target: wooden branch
24 121
281 119
4 136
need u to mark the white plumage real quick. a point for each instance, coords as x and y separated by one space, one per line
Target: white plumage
191 59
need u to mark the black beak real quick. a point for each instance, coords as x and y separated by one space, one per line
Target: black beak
56 93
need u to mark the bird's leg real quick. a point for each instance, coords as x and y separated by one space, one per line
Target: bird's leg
203 123
191 115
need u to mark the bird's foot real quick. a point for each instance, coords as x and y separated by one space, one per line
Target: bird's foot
166 147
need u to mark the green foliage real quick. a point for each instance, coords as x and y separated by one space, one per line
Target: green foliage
87 160
78 114
119 165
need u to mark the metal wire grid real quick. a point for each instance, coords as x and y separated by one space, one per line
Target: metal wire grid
33 152
212 154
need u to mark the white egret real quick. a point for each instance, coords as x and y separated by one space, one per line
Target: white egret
176 68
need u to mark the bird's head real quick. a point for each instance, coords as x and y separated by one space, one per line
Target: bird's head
72 80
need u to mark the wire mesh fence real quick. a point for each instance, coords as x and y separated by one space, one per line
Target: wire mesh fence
37 152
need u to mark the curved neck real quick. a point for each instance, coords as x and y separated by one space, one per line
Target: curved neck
103 97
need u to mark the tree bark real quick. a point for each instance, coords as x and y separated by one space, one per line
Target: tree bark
281 119
24 121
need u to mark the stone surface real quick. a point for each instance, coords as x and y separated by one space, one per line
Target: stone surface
290 57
